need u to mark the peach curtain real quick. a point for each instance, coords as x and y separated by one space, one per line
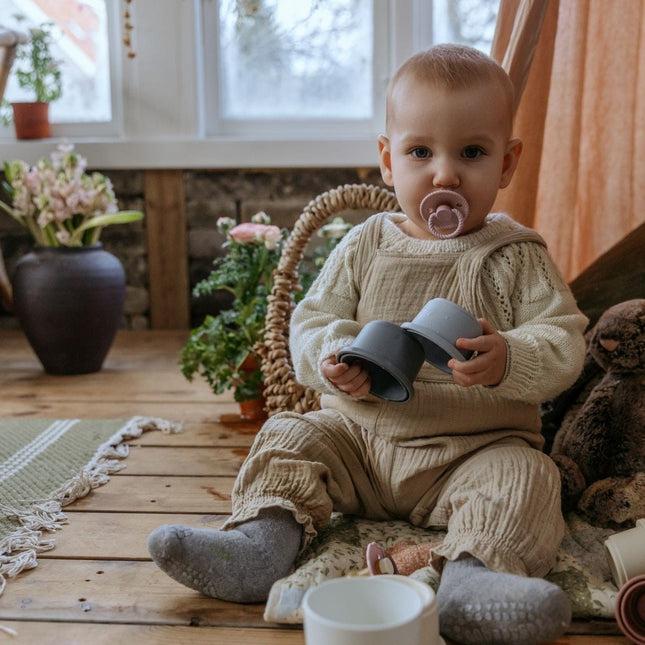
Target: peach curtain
581 179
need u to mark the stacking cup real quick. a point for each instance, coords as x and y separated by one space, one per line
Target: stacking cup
626 553
376 610
438 326
392 357
630 609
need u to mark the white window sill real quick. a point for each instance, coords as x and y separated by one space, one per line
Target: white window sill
202 153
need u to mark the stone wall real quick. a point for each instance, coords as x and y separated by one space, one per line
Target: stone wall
282 194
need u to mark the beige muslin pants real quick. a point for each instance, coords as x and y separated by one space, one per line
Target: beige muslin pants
500 502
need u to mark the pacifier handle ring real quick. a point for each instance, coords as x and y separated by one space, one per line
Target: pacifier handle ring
441 203
434 216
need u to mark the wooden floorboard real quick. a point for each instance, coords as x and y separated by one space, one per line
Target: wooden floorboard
98 585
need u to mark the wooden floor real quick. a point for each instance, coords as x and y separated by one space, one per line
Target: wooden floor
98 585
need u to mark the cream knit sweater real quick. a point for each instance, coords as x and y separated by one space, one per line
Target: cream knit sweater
501 272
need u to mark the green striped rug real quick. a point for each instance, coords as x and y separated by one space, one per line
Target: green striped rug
48 463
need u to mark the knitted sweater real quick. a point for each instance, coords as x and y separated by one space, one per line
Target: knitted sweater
501 272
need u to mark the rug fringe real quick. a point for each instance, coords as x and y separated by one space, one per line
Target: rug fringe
18 551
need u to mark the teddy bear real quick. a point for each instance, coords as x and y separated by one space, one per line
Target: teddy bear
599 446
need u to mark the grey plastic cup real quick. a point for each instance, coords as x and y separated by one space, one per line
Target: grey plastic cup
438 326
392 357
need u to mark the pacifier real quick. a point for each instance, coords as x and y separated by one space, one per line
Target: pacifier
378 561
445 212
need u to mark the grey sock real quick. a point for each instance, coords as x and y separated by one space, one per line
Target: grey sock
237 565
478 606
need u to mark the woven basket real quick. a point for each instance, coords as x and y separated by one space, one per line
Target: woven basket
282 391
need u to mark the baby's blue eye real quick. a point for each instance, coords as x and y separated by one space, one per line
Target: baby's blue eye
420 153
472 152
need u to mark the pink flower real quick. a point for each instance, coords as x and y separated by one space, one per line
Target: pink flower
247 232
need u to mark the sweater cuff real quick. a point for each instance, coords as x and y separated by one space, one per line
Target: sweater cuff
330 347
522 366
507 365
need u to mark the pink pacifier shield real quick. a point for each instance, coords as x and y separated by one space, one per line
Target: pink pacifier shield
445 211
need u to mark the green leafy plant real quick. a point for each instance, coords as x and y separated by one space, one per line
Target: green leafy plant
58 202
36 69
218 349
222 349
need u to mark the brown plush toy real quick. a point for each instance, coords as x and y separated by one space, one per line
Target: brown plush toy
600 445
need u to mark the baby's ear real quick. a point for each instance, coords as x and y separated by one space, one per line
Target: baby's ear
385 159
511 157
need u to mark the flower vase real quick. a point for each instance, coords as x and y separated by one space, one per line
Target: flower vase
69 302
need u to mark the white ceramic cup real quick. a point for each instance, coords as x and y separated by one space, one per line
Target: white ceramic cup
626 553
430 616
376 610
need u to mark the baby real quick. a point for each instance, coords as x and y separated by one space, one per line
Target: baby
465 452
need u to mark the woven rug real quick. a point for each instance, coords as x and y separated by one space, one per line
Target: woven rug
46 464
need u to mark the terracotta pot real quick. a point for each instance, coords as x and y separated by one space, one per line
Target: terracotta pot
69 303
253 410
31 120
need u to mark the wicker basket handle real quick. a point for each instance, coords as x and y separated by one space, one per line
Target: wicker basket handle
282 391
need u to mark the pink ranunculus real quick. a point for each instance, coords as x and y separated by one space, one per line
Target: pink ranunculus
247 232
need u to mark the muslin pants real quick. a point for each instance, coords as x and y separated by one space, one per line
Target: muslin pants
499 503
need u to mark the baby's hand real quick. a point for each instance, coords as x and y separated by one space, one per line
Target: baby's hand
350 379
488 367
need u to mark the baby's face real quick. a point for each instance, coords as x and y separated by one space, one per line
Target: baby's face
447 139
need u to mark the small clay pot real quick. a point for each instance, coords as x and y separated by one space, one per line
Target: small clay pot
392 357
630 609
438 326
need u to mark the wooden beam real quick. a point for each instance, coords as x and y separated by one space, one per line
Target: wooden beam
167 249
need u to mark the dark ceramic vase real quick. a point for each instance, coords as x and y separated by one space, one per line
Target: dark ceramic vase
69 302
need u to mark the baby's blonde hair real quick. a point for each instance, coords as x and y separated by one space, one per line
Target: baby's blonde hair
454 67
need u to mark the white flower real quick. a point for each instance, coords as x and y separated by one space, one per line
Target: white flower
63 237
272 235
261 218
336 229
225 224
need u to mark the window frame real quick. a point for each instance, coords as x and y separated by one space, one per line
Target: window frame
165 79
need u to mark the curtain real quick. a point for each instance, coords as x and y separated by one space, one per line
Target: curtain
581 178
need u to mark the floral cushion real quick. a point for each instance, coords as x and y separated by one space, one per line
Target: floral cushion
581 567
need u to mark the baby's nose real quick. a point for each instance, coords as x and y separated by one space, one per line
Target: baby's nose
445 174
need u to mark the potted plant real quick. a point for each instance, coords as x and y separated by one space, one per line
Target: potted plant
222 348
38 72
68 292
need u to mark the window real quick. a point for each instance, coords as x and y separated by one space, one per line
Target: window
234 83
281 66
290 67
80 30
